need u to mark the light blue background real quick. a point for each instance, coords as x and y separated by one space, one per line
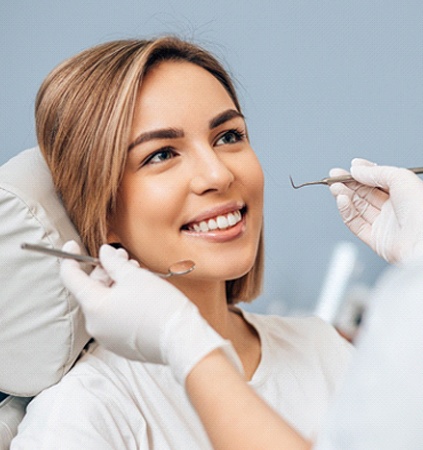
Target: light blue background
320 81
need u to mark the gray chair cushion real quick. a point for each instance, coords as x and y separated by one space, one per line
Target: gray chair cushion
41 328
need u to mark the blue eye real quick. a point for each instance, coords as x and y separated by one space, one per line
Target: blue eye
157 157
231 137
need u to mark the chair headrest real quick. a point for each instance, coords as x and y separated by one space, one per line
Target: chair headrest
41 327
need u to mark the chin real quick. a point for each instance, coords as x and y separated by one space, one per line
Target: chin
233 271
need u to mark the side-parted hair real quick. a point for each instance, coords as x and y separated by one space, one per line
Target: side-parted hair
84 112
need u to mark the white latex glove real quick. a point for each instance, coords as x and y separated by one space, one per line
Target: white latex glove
137 315
380 405
389 219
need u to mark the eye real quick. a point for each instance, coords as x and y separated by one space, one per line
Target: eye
159 156
231 137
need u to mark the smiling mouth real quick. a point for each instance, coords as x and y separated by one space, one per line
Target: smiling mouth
220 222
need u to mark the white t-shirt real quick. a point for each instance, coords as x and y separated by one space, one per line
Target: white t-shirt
108 402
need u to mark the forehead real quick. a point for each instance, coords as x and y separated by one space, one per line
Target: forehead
175 89
168 75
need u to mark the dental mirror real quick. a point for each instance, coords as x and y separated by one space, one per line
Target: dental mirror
175 270
179 268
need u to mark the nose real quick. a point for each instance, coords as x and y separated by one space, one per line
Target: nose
210 172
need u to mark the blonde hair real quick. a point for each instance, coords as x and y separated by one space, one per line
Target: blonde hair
84 111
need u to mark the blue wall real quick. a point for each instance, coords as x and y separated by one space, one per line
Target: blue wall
321 82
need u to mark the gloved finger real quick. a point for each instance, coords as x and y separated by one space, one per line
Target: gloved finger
121 251
358 205
71 247
70 268
363 202
86 290
367 211
374 197
76 280
353 219
115 263
337 172
339 189
349 189
350 203
99 274
405 188
135 263
406 191
362 162
378 176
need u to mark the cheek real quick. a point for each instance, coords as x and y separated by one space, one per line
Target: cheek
145 210
253 178
260 178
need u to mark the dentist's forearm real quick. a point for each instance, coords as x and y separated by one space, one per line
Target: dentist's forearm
233 415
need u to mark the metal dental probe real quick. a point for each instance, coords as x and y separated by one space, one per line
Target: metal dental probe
341 179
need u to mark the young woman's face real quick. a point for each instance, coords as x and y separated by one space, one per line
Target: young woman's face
192 187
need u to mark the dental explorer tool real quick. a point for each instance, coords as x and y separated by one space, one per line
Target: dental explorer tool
177 269
342 179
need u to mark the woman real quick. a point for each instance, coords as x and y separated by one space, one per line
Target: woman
149 151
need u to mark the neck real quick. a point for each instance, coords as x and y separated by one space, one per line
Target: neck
210 298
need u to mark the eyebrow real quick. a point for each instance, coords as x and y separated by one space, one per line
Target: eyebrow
174 133
165 133
224 117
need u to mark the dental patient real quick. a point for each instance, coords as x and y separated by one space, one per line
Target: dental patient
149 152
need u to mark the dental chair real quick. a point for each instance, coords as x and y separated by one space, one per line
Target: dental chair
41 327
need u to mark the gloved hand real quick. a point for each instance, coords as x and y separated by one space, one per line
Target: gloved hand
137 315
388 219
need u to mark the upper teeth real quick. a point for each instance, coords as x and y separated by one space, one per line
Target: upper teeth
221 222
